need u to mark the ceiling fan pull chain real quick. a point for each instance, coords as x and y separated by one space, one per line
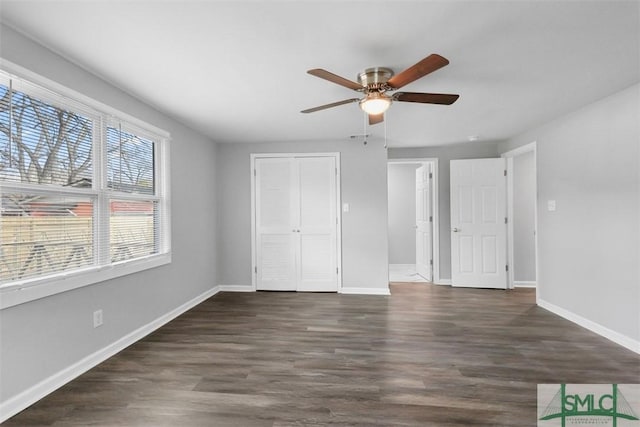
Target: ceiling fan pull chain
385 133
365 116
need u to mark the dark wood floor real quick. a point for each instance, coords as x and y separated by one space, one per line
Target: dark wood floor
428 356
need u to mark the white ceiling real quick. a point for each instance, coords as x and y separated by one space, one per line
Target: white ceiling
236 71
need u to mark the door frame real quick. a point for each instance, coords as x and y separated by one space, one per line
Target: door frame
252 175
435 232
509 155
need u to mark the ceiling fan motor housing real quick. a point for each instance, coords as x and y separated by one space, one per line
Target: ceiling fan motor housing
375 78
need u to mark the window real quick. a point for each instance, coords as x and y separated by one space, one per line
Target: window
82 188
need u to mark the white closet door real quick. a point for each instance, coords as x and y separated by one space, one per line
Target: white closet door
423 224
275 224
296 224
317 225
478 229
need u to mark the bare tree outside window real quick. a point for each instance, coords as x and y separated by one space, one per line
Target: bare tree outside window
129 162
43 144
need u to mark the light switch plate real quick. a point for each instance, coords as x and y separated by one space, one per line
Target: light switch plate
551 205
345 207
97 318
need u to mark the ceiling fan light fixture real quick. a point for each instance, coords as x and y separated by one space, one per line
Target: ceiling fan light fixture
375 103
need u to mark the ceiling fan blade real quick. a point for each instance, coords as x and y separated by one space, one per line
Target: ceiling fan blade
333 104
334 78
376 118
426 98
428 65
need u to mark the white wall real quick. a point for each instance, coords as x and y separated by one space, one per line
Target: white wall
589 248
402 213
524 197
43 337
445 154
364 228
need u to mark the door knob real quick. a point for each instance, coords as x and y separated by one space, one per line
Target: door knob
456 230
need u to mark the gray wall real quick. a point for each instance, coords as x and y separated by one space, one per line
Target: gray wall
42 337
589 248
364 228
475 150
524 197
402 213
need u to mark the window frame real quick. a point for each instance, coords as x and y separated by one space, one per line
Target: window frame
24 290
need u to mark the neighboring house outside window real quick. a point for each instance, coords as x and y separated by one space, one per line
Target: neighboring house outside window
83 189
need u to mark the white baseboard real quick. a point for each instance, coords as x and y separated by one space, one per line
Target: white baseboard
236 288
443 282
603 331
23 400
365 291
524 284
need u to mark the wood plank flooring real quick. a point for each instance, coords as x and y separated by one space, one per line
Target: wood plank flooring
425 356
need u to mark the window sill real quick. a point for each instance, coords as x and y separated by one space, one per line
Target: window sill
12 294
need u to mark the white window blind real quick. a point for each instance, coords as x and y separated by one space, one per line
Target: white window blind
133 229
130 167
79 189
44 234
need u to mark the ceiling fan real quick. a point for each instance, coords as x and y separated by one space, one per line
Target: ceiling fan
375 83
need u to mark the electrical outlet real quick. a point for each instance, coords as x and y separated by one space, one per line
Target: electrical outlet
97 318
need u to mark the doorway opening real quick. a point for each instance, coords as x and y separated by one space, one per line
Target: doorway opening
413 220
522 243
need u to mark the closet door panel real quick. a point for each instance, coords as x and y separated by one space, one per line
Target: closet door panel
275 220
317 224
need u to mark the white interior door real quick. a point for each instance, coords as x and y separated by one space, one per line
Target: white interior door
296 224
424 217
478 229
